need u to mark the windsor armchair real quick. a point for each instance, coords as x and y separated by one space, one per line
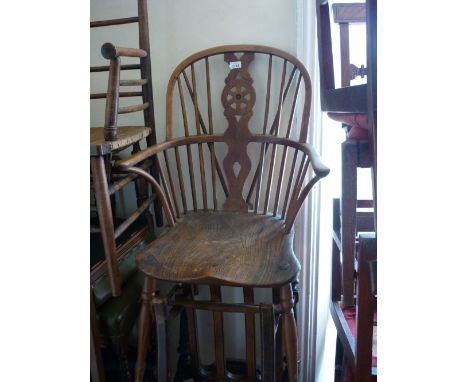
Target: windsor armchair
107 141
234 172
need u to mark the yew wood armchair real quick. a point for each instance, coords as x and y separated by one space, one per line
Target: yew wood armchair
234 172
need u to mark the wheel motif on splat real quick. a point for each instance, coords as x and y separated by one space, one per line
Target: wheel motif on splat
238 98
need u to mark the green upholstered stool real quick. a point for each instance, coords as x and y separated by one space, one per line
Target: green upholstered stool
116 319
116 316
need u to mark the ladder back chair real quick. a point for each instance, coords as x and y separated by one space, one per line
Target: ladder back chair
349 104
107 141
234 172
115 283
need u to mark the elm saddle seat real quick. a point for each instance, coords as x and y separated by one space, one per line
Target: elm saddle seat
233 178
233 248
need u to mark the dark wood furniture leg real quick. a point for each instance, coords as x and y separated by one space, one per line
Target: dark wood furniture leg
279 354
184 364
144 327
348 217
289 330
161 330
339 361
267 325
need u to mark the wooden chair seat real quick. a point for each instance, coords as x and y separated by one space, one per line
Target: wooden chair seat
127 136
231 248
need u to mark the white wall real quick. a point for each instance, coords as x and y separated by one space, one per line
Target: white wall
179 28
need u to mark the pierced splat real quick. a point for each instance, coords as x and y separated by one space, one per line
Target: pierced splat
238 99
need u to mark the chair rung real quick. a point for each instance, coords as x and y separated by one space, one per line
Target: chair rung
105 68
122 94
97 95
133 217
133 82
217 306
105 23
133 108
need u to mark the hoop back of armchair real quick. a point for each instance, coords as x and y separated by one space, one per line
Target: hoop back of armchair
237 122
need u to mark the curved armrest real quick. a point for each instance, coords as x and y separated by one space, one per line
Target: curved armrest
298 192
316 161
160 147
130 164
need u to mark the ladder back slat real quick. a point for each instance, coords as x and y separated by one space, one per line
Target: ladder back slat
133 217
105 68
105 23
121 94
137 82
133 108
